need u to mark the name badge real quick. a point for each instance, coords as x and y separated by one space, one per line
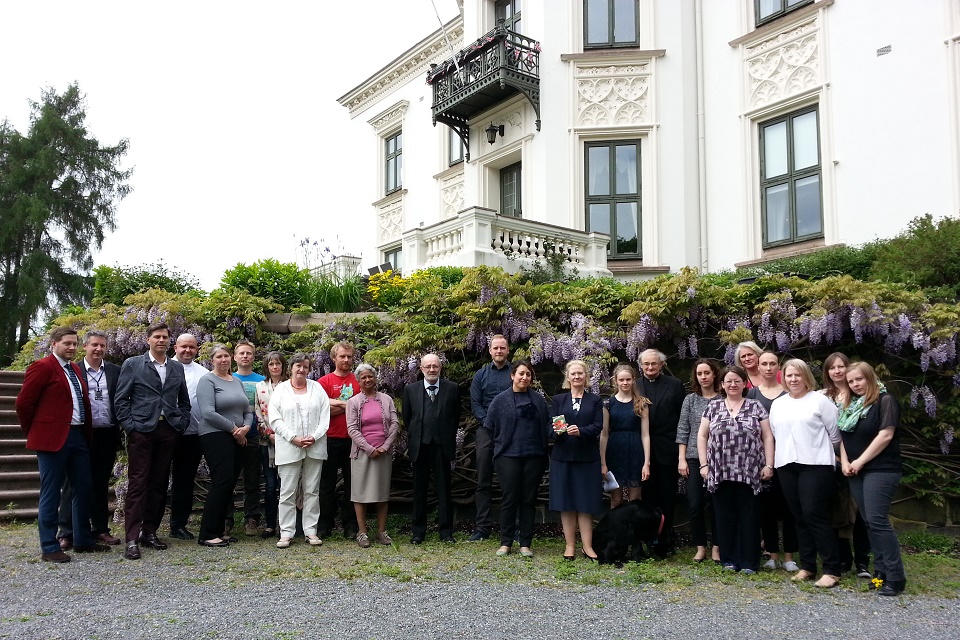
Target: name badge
98 395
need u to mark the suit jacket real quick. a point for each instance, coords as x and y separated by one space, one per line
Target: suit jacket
141 398
415 402
666 395
45 404
586 446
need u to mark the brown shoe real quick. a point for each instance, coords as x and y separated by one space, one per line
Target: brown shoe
827 581
106 538
92 548
133 551
802 575
55 556
251 527
66 543
363 541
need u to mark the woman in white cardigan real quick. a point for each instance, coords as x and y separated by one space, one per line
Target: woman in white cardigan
299 413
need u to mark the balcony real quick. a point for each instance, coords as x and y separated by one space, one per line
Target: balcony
497 66
478 236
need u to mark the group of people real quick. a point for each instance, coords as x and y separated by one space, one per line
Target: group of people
760 437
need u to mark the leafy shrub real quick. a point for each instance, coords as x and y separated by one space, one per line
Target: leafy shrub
114 284
386 289
829 261
927 255
283 282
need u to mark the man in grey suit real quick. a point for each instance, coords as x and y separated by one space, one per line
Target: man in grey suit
431 413
153 407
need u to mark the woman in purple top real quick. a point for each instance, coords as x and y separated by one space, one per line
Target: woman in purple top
735 447
372 425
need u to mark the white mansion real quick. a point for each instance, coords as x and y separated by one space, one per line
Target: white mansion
635 137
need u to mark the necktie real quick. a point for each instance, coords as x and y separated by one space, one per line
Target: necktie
72 377
432 390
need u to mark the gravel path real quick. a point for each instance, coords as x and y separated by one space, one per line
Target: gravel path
163 596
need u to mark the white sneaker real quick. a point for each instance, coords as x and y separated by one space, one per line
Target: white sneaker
791 566
770 564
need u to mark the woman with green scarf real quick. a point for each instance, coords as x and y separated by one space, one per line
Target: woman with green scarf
870 458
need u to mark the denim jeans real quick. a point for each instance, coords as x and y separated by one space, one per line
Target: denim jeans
873 492
71 461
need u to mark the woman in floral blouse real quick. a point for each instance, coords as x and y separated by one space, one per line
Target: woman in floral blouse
735 447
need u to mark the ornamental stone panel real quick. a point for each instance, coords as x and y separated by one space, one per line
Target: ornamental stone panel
451 194
390 221
613 95
783 65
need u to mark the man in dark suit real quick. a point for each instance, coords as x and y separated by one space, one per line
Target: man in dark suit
101 380
54 413
431 413
153 407
666 394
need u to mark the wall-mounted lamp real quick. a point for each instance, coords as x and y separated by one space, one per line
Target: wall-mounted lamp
492 132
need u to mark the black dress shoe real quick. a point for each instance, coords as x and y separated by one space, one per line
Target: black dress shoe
569 558
181 533
447 538
133 551
92 548
892 587
208 543
478 535
228 539
590 558
152 541
416 540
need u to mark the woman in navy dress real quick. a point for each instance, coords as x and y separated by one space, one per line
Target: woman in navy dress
575 482
625 440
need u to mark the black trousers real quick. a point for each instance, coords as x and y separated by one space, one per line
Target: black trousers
698 499
661 490
338 459
773 510
519 482
247 462
430 461
483 497
186 460
808 490
103 456
271 488
220 451
738 525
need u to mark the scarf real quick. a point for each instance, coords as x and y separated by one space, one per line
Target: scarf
852 413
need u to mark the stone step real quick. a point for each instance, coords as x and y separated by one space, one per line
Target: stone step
26 496
20 479
10 389
18 462
26 513
9 416
12 376
13 446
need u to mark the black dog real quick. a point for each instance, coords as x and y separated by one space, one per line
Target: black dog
629 525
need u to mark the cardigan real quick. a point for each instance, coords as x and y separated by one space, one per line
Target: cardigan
286 422
688 428
501 420
391 423
586 446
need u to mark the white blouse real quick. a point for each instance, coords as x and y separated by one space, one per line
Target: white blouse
804 429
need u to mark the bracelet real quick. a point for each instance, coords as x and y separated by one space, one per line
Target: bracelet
766 466
704 465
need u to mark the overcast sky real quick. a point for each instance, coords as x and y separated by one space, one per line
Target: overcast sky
236 138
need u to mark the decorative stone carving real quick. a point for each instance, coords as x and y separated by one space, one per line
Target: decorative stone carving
612 95
451 194
390 117
783 65
390 221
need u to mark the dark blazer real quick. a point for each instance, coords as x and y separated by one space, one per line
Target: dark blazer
415 400
666 395
586 446
140 397
45 405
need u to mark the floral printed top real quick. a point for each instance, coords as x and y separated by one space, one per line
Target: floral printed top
735 446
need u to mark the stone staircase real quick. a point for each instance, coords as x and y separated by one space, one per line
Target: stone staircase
19 477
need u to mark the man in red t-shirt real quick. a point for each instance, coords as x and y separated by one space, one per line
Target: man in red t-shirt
340 385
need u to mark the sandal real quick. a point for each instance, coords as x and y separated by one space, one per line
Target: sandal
827 581
802 576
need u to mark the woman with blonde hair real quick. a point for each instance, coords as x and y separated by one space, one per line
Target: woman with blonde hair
575 490
625 438
804 425
747 357
870 458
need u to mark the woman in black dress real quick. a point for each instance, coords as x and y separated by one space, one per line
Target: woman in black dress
575 480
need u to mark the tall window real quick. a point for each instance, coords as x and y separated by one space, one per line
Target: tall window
610 23
393 167
510 191
790 178
509 10
768 10
394 256
613 194
454 147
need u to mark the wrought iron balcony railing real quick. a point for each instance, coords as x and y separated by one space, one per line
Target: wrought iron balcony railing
497 66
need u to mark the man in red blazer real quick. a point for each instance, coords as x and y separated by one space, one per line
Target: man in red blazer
54 412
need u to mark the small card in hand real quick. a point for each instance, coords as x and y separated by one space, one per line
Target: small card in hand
559 424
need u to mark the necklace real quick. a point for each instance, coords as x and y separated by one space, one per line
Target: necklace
735 407
298 388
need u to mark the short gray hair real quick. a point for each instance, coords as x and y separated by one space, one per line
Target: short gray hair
660 354
95 333
363 366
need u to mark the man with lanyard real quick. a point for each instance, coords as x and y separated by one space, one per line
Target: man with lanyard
490 380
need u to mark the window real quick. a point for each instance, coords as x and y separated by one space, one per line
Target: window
790 178
393 166
394 256
454 147
510 191
509 10
610 23
768 10
613 194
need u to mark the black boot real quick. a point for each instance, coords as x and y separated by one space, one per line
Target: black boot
878 579
892 587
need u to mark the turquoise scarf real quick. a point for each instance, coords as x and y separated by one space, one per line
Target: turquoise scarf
850 415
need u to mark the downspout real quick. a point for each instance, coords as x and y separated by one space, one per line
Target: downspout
701 143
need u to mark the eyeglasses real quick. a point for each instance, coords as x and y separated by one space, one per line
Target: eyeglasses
733 383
